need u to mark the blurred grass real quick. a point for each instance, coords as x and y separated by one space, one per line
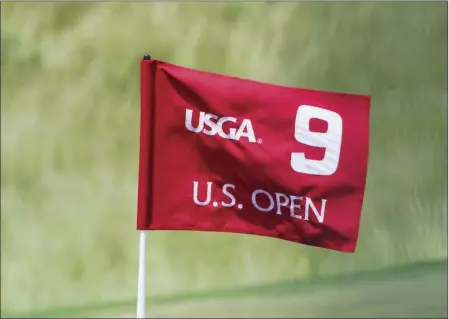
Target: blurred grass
415 291
69 138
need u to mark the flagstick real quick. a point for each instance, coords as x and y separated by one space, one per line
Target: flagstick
141 280
141 277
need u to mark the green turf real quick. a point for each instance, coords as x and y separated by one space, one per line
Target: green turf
69 139
419 290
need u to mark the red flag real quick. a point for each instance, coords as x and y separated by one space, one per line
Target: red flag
224 154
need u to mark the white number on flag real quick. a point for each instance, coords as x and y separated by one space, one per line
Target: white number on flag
330 140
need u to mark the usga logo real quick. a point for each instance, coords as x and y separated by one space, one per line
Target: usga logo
211 124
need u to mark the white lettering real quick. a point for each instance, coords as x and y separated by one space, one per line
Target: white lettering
211 124
210 128
246 130
330 141
260 208
188 124
229 195
293 206
309 204
280 203
220 124
299 207
195 194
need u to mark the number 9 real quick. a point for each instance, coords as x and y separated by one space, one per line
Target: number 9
331 140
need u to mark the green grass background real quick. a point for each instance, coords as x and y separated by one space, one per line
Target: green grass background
70 127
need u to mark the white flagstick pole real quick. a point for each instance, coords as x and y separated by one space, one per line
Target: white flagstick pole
141 296
141 280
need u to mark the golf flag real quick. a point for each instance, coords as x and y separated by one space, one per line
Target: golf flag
224 154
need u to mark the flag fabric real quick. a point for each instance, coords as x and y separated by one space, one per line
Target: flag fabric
225 154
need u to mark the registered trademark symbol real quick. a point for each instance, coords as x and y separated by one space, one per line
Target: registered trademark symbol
259 141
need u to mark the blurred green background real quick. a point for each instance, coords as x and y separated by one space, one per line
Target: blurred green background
69 153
